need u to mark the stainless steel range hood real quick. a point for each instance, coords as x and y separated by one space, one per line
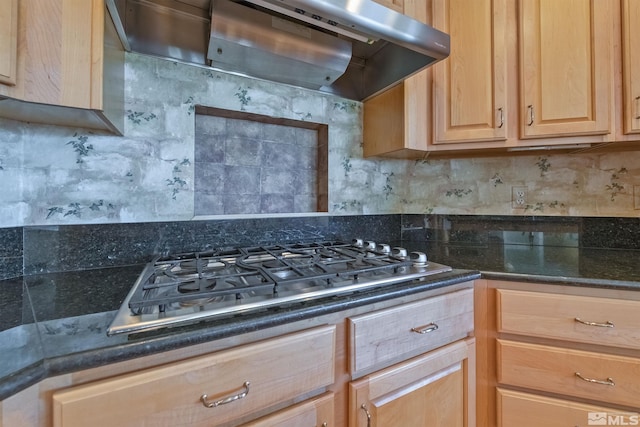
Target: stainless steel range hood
350 48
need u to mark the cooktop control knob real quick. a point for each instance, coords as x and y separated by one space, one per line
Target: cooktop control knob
370 246
384 248
358 243
399 252
419 259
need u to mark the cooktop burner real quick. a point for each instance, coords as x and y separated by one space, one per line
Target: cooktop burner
186 288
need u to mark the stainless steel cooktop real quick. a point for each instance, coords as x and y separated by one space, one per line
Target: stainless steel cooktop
187 288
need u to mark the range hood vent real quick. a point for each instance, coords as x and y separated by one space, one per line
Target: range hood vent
350 48
261 45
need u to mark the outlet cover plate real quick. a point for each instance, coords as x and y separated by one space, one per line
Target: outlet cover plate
518 197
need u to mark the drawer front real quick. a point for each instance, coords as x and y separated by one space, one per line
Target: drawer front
554 316
313 412
236 382
530 410
392 334
556 370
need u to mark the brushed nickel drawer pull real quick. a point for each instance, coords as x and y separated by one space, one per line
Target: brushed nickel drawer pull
224 401
501 110
608 381
606 324
636 115
364 408
426 328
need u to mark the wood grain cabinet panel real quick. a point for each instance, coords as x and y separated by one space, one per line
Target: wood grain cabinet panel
69 67
242 381
318 412
601 321
631 64
396 123
8 41
396 333
530 410
397 5
590 375
565 67
432 390
470 86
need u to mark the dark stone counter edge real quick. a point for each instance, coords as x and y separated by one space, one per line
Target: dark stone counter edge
58 365
50 367
563 280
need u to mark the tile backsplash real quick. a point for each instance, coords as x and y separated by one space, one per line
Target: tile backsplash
55 175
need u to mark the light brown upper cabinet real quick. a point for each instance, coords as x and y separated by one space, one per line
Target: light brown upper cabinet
522 75
470 87
631 64
396 122
8 41
69 66
565 58
397 5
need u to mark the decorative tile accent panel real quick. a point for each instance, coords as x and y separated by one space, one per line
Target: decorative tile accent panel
254 164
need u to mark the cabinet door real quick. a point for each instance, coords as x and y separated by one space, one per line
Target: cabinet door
436 389
8 40
313 412
60 52
631 64
470 86
565 67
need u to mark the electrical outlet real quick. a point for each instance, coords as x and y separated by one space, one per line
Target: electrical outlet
519 197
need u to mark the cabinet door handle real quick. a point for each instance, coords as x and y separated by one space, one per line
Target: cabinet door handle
531 115
606 324
501 117
212 404
636 106
426 328
366 411
608 381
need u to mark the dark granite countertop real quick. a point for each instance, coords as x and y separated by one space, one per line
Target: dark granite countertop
55 323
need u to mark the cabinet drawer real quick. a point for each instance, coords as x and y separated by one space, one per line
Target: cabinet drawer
556 370
313 412
529 410
395 333
277 370
554 316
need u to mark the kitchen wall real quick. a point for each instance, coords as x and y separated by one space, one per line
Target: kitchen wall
56 175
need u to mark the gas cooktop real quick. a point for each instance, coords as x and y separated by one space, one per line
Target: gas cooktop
187 288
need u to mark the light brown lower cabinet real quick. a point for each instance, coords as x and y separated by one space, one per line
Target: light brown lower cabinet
555 355
211 390
411 357
313 412
435 389
520 409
